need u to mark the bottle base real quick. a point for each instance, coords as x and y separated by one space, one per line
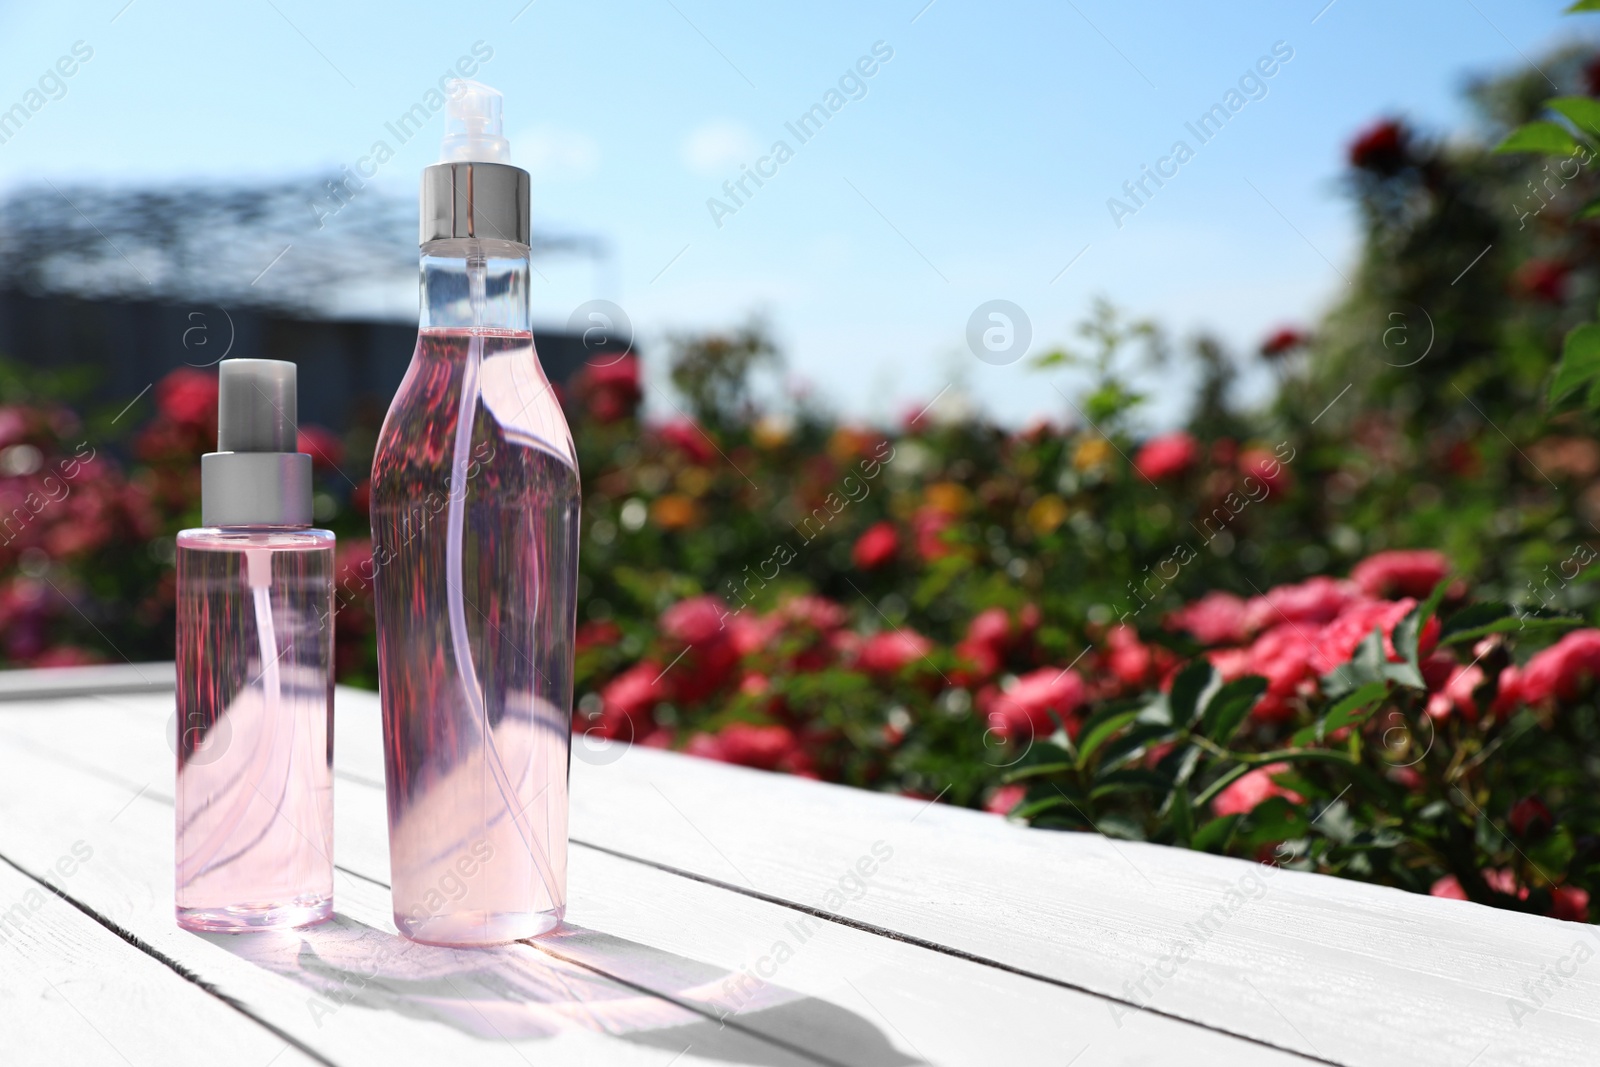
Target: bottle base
476 929
251 918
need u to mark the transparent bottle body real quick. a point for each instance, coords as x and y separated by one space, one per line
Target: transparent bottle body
254 739
475 502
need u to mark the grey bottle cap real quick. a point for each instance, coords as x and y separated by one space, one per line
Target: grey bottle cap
487 201
255 477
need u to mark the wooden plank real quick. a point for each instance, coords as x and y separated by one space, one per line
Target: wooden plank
848 995
1338 970
72 991
79 681
351 989
1342 971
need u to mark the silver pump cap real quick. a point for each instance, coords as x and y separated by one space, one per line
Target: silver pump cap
486 201
255 477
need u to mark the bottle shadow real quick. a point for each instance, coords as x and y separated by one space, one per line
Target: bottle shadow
573 979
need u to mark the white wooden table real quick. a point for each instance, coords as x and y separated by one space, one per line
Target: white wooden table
955 937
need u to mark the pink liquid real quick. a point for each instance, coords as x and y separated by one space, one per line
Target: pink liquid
476 734
254 740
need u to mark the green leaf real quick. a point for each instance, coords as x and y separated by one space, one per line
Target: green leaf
1589 210
1038 770
1184 699
1553 853
1547 138
1123 827
1181 816
1407 674
1583 111
1125 745
1349 710
1581 6
1129 781
1214 835
1276 819
1580 362
1039 807
1480 620
1475 617
1412 634
1230 705
1369 663
1042 754
1353 707
1098 733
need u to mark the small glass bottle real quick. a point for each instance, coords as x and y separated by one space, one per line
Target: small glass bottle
475 501
255 685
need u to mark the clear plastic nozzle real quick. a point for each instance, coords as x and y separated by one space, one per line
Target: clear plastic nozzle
473 130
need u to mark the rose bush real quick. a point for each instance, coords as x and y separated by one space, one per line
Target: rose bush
1352 630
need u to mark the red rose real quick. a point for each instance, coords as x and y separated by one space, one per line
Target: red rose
1455 694
1504 881
1339 639
1542 279
876 546
1570 903
1530 818
888 653
1316 600
689 439
1563 671
1251 789
813 612
1508 691
1168 456
697 621
1004 798
188 397
1401 572
628 700
990 628
1281 655
1381 148
929 525
1215 619
611 391
712 656
751 634
1036 703
599 634
1266 466
1282 341
1128 658
762 747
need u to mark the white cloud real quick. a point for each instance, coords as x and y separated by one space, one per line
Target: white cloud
714 148
552 152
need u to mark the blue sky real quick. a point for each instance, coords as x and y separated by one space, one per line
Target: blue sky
976 166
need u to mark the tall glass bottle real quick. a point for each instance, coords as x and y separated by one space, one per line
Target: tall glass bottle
474 509
255 690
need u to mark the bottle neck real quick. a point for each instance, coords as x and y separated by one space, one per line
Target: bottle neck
475 283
